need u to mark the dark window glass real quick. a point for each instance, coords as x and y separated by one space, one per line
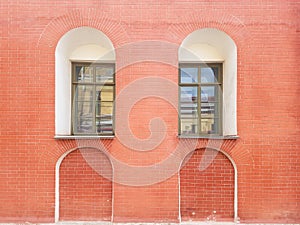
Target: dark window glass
200 90
93 98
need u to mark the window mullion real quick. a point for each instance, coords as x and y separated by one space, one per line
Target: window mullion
86 100
209 99
94 108
75 108
199 101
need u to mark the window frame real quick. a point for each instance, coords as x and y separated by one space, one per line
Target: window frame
219 85
74 85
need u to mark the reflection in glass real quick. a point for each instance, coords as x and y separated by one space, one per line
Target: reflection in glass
104 74
104 93
209 75
93 93
189 126
84 124
84 74
208 110
188 94
189 110
208 126
84 93
85 108
104 109
200 98
209 93
189 75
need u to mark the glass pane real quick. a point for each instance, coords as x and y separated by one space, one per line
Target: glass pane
215 129
104 126
84 117
104 109
188 94
104 74
188 75
84 125
104 93
84 109
209 126
189 110
104 118
189 126
209 75
209 110
209 93
84 93
83 74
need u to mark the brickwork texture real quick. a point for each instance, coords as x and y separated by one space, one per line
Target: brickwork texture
266 154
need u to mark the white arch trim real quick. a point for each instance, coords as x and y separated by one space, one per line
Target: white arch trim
235 201
211 45
57 174
80 44
235 194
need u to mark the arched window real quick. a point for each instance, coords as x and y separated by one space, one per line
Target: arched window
208 84
84 82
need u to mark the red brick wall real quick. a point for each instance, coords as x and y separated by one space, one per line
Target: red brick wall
266 154
204 190
151 203
84 194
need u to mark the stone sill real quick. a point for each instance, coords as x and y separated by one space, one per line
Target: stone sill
83 137
229 137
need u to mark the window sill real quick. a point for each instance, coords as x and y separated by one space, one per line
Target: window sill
83 137
228 137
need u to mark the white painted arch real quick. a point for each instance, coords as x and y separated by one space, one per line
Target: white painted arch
210 45
84 44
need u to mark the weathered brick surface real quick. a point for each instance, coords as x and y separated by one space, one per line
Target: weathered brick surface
207 188
84 194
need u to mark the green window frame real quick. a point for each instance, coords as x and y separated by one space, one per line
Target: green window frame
93 94
200 99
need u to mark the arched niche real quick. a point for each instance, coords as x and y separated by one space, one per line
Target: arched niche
84 44
211 45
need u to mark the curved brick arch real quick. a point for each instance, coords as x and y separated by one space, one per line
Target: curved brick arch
231 25
58 148
94 18
232 147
